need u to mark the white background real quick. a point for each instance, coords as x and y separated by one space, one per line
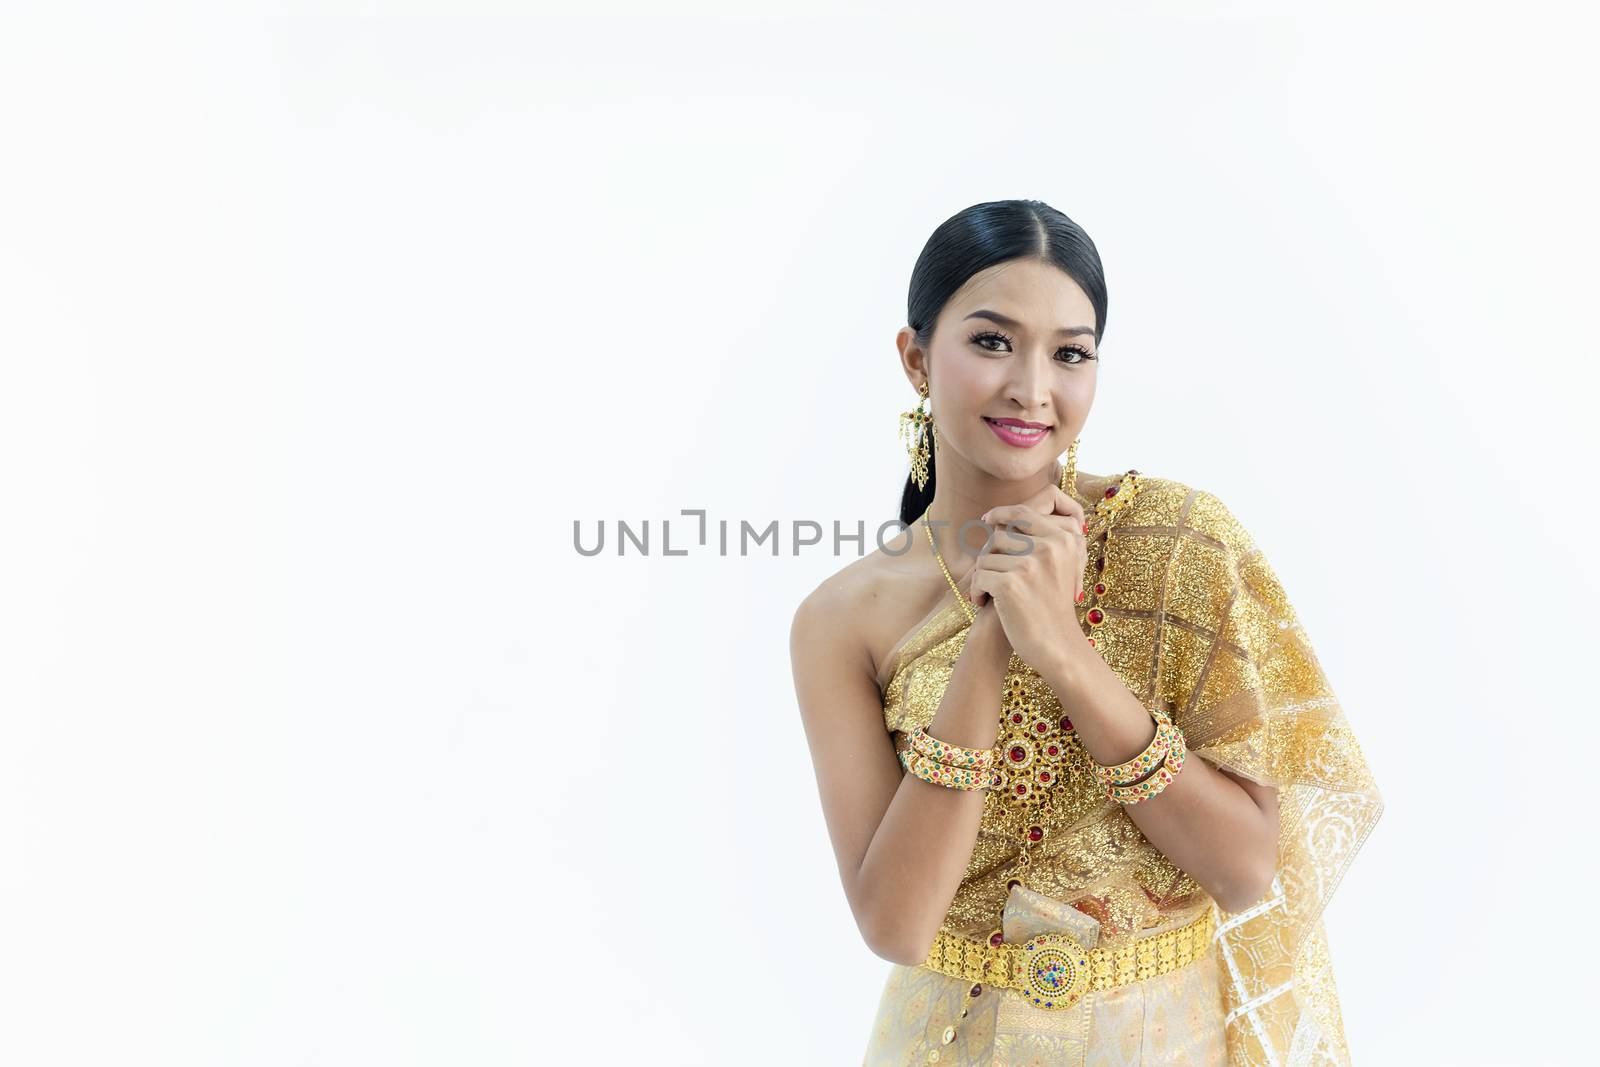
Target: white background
324 322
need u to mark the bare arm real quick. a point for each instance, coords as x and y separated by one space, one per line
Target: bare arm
1218 827
902 844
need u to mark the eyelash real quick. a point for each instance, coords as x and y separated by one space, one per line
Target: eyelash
1083 353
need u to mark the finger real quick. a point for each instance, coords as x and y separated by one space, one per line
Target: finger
1043 501
1063 504
1027 519
1001 561
1023 532
990 582
1005 540
1017 516
991 563
1053 500
968 585
1009 513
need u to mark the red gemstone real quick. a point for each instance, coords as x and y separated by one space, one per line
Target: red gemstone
1018 753
1096 615
1054 750
1066 723
997 940
1035 833
1041 726
1021 789
1091 642
1111 492
1044 776
1100 588
1017 717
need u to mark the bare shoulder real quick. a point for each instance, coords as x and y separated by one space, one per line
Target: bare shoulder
862 607
834 609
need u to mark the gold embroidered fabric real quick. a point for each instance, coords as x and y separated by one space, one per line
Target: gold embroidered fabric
1196 622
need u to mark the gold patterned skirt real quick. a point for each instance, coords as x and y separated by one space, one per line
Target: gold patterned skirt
1170 1019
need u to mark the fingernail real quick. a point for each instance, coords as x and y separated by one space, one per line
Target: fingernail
1081 597
1085 527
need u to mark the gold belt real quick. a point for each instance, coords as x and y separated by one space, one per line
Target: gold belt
1054 971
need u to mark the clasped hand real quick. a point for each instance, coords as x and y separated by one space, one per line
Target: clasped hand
1032 569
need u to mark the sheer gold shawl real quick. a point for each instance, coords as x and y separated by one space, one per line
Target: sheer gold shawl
1198 621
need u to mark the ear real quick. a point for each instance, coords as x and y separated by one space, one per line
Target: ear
913 360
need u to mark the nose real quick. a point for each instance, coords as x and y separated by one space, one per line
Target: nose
1029 387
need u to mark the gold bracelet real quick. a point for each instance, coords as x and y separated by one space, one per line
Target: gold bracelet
1135 768
954 755
1153 785
936 773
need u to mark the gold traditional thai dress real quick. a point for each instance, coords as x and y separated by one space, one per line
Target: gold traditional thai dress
1189 613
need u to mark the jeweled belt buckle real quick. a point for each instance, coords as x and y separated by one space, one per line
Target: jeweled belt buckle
1053 970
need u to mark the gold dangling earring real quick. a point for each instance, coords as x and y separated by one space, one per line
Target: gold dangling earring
1069 471
916 428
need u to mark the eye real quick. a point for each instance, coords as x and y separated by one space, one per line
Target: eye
1082 354
988 335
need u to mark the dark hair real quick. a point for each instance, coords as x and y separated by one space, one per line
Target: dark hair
974 240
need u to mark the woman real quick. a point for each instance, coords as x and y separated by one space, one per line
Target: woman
1005 706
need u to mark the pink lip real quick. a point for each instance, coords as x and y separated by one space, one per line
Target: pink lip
1002 430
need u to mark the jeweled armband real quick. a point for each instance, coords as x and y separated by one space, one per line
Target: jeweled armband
1140 765
952 755
1151 786
936 773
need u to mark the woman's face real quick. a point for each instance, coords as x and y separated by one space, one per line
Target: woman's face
1016 343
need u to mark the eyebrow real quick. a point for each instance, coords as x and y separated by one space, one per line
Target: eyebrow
1003 320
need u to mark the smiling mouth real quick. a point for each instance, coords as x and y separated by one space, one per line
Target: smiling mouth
1021 429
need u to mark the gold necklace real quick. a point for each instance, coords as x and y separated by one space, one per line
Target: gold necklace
956 589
